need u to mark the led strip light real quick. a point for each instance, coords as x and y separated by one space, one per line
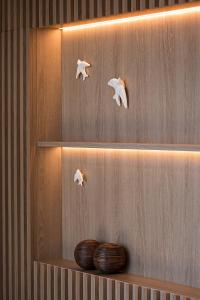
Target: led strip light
132 19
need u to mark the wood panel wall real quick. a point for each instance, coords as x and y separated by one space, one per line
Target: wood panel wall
135 198
15 213
16 17
157 59
52 281
36 13
45 124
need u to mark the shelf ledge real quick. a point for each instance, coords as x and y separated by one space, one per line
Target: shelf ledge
122 146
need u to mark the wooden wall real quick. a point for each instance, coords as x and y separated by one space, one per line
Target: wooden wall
141 199
15 212
45 124
36 13
16 17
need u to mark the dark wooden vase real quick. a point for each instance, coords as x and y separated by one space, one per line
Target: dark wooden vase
110 258
84 253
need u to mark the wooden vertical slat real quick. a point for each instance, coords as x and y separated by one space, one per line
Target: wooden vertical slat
107 7
110 289
3 170
21 161
133 5
42 280
163 295
40 13
60 13
84 9
63 284
142 4
116 7
49 282
99 9
144 293
124 6
1 163
68 6
154 294
36 275
46 12
102 288
118 290
9 167
33 13
127 291
86 286
79 286
76 10
94 287
135 292
27 171
161 3
91 9
15 168
152 3
56 284
70 284
171 2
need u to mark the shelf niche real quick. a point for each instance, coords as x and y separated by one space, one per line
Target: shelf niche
146 202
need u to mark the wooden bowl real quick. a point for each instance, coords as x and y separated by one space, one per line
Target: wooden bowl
110 258
84 253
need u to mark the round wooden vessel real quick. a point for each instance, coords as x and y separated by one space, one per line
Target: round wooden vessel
110 258
84 253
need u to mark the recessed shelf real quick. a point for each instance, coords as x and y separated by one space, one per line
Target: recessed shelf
128 146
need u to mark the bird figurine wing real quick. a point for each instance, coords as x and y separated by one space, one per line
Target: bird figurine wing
81 69
79 177
120 93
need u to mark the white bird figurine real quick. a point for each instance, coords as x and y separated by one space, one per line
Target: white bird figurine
81 65
120 93
79 177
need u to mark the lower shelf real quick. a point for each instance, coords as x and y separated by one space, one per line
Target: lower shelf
62 280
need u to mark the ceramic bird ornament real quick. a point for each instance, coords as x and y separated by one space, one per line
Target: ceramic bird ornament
79 177
120 93
81 69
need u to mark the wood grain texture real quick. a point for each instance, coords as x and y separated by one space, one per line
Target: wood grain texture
158 59
15 209
143 200
89 286
45 168
37 13
16 17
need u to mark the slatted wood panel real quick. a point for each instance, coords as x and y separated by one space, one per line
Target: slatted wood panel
15 206
15 212
37 13
59 283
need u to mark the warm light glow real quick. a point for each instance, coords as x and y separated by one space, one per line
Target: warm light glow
111 150
132 19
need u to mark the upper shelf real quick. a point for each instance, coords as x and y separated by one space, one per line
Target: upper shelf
131 146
